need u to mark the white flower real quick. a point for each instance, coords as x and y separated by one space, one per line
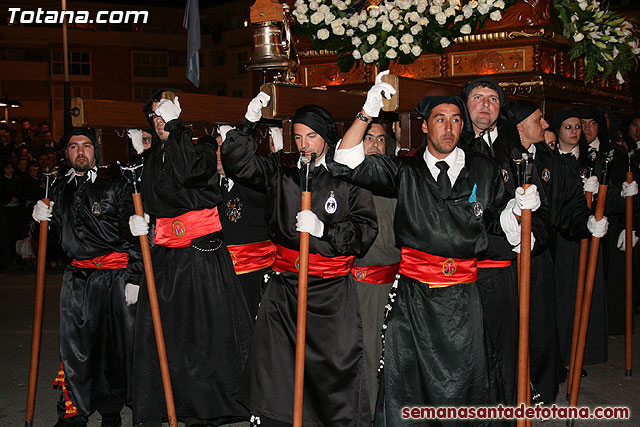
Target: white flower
328 18
467 10
445 42
577 37
340 4
392 41
421 7
465 29
371 23
339 30
403 4
483 9
298 3
619 77
353 21
423 21
313 5
362 28
496 15
583 4
317 18
441 18
458 18
416 50
371 56
323 34
401 27
405 48
615 51
407 38
415 29
371 38
374 12
302 19
435 10
356 41
499 4
356 54
394 15
387 25
349 32
391 53
450 11
324 8
595 35
302 9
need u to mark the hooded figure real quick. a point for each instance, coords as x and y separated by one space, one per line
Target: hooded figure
198 291
342 225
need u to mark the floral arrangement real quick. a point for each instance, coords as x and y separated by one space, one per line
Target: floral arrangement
392 30
601 37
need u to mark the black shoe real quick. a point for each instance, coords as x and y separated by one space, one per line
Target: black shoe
64 423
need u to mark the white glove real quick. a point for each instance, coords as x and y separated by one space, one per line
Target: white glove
139 226
590 185
622 240
131 293
516 249
529 199
254 109
276 136
373 104
136 139
42 212
629 189
168 110
307 221
597 228
223 130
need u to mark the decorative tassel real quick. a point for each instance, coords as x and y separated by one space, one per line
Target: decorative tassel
70 410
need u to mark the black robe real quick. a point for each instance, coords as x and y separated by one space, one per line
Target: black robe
206 324
243 222
335 387
96 325
435 351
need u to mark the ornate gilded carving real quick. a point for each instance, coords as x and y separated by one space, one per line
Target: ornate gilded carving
512 35
329 74
490 62
422 68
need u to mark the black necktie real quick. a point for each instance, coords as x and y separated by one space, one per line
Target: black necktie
443 179
488 143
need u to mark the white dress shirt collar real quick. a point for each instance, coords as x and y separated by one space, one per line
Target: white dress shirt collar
455 160
92 174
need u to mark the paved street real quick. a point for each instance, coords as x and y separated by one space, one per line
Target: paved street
605 385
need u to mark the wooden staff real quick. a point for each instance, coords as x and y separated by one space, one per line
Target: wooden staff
308 166
588 291
577 309
524 285
629 273
37 312
153 298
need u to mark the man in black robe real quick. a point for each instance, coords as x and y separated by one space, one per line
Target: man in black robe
342 225
497 272
206 324
448 201
246 232
88 216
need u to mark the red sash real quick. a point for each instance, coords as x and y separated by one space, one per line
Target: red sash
178 232
487 263
437 271
111 261
253 256
288 260
375 274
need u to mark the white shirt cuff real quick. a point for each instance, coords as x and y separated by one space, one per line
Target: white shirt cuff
351 157
509 224
533 242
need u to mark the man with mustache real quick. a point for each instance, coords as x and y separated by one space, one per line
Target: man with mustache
448 201
88 216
